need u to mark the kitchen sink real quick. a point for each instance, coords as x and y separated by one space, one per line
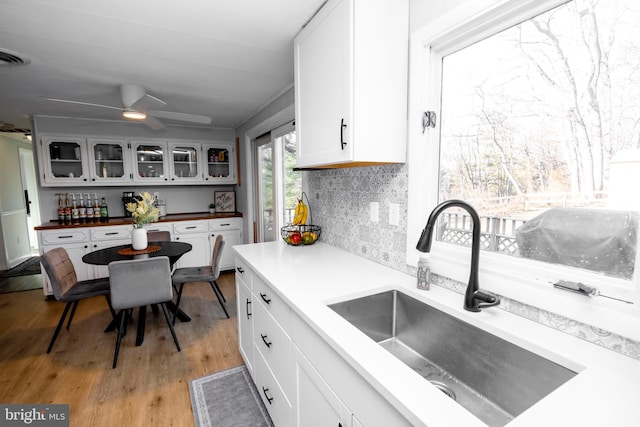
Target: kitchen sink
492 378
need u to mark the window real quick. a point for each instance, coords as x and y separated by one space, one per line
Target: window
540 132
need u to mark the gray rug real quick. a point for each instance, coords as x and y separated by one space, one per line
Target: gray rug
228 399
26 268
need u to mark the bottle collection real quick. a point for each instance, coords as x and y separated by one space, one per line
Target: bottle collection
72 211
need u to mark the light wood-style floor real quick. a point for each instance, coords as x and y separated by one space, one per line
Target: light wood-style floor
149 387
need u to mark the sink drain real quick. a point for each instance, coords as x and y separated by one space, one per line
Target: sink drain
444 388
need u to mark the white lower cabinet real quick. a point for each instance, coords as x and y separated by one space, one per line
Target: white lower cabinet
76 241
302 381
244 300
231 231
317 404
196 233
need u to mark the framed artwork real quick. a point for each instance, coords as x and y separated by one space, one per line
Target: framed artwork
225 201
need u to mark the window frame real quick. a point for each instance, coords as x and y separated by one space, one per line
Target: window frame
473 21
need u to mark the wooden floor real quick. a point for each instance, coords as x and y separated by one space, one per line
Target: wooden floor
149 387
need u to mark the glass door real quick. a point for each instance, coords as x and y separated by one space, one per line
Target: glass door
65 158
184 162
150 161
108 160
278 184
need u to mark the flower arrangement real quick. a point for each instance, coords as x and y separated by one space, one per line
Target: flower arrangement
143 210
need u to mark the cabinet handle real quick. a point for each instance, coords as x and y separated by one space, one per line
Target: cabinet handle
111 233
264 298
191 227
264 391
264 340
224 225
240 270
248 305
342 141
65 237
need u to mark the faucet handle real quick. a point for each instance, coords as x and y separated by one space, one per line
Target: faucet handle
489 299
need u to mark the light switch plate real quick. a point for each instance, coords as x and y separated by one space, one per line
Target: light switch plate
374 211
394 214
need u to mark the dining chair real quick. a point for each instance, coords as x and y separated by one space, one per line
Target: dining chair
67 288
207 273
158 236
138 283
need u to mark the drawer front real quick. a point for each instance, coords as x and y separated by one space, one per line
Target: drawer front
69 235
225 224
275 346
187 227
110 233
159 227
272 303
272 395
243 272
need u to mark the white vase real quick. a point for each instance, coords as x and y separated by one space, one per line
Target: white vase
139 239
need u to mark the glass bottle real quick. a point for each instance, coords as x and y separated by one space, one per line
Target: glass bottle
96 208
75 215
89 208
67 209
60 209
82 210
104 211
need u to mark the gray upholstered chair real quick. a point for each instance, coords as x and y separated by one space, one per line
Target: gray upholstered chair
158 236
67 288
207 273
138 283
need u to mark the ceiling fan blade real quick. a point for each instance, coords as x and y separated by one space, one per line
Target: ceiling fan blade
68 101
183 117
153 123
130 94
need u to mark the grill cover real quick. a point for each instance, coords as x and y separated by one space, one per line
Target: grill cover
600 240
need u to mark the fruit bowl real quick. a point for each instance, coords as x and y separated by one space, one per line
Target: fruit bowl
296 235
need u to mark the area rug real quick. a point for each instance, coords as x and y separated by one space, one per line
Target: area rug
26 268
228 399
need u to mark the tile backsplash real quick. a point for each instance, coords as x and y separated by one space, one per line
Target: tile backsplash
340 203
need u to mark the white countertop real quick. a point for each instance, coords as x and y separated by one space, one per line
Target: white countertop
604 393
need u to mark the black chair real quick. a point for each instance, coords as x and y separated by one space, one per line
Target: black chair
207 273
138 283
67 288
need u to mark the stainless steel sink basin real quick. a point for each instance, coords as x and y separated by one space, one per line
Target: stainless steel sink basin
492 378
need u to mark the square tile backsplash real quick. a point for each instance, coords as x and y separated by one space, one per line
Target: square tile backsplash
339 200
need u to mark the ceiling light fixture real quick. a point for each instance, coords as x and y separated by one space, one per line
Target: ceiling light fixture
135 115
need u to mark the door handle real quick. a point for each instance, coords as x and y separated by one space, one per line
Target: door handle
342 141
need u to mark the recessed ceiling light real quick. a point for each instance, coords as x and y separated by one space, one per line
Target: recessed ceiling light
135 115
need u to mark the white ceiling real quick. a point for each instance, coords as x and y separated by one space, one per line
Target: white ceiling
220 58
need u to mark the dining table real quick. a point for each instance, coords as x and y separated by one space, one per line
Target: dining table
171 249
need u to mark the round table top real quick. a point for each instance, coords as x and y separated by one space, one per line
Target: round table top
173 250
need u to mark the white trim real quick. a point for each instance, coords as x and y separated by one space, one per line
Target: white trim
470 22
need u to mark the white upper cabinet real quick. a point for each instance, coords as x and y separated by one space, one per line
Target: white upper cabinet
220 163
110 161
104 161
183 159
351 64
151 161
63 160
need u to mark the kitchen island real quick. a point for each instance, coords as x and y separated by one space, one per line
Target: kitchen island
308 278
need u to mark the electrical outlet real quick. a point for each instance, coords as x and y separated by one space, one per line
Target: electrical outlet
394 214
156 195
374 209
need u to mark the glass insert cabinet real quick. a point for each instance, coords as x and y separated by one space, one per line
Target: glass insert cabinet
70 160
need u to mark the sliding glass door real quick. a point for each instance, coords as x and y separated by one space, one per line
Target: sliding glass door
278 184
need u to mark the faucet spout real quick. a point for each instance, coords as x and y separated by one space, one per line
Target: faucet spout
475 299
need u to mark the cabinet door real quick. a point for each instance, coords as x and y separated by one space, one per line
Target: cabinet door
150 164
183 158
63 160
103 270
196 233
76 251
323 80
230 238
318 405
245 321
109 160
220 163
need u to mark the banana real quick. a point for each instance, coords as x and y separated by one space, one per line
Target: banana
300 214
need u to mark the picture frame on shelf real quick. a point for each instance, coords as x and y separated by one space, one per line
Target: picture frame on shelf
225 201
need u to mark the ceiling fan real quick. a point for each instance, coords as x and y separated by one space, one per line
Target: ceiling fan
133 107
